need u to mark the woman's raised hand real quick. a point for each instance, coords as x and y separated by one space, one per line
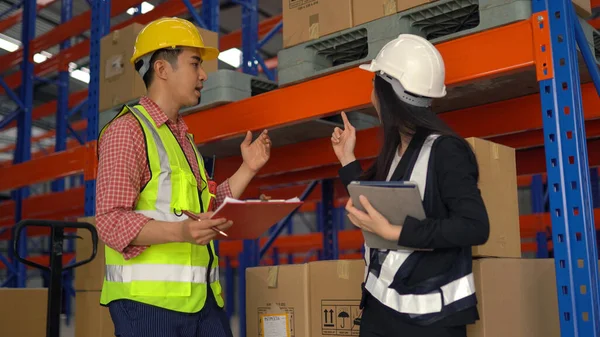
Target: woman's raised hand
344 141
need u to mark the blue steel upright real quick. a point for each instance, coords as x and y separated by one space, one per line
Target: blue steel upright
210 14
574 237
249 36
62 113
100 27
60 144
330 231
24 123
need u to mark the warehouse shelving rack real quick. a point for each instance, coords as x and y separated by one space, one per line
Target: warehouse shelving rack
556 136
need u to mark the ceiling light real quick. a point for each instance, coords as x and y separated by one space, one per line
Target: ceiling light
232 56
82 75
41 57
7 44
146 7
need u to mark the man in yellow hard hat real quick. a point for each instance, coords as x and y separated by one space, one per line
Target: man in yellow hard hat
162 276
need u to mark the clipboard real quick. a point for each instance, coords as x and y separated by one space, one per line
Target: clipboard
252 218
394 200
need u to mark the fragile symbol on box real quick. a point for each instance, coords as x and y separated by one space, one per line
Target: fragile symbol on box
338 317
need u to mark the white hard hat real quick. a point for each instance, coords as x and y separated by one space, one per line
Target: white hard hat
415 63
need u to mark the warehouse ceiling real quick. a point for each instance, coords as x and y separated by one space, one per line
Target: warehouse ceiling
49 18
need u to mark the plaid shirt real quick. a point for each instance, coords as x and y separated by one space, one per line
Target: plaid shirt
123 170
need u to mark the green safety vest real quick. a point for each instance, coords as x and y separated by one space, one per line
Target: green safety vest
173 276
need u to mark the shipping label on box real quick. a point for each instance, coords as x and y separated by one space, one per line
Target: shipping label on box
275 325
270 312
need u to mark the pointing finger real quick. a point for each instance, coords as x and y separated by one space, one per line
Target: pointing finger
347 124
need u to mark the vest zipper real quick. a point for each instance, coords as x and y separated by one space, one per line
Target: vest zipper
211 256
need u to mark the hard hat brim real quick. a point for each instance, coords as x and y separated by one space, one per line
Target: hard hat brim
370 67
209 53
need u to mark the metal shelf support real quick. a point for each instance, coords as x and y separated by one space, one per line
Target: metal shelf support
24 123
574 235
210 14
329 227
249 36
100 27
62 113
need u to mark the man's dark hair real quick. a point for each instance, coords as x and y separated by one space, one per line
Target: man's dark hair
170 55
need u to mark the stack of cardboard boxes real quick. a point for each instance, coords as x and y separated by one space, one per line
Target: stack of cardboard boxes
305 20
23 312
517 297
91 319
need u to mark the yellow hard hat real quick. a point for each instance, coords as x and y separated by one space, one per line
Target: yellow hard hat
170 33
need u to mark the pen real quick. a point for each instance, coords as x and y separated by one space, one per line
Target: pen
194 217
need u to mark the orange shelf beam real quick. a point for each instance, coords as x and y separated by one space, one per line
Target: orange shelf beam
314 99
18 15
46 206
516 123
43 169
530 161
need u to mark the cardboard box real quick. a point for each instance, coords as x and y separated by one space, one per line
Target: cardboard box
119 82
321 299
89 276
335 292
527 287
498 185
364 11
23 312
583 8
314 299
305 20
277 290
91 318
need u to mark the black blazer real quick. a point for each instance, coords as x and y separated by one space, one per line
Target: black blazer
456 215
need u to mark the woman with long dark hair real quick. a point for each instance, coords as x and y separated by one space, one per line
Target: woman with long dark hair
426 289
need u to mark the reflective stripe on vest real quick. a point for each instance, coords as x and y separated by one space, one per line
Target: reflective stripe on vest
163 209
159 272
416 304
163 195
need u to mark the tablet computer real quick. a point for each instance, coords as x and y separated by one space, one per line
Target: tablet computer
395 200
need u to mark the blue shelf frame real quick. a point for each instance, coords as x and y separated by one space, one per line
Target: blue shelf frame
571 209
23 115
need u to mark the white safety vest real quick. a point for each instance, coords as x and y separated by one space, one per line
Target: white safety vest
414 304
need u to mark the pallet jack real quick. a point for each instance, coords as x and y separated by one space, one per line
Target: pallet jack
57 236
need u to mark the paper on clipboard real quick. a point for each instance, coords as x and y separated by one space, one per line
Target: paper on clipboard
252 218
